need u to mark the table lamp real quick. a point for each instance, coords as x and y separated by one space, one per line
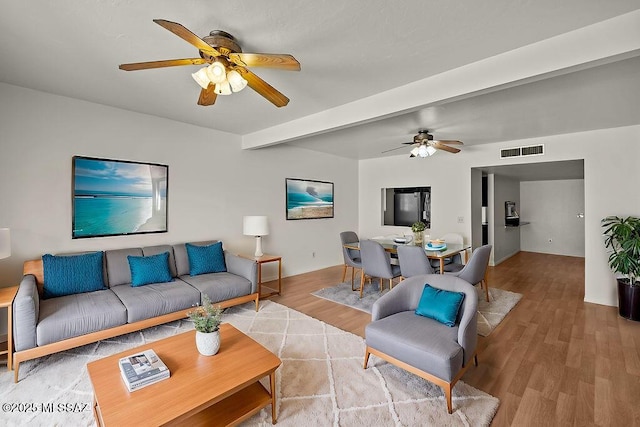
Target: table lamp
5 243
256 226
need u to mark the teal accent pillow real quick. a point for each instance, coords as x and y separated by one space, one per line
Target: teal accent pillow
72 274
206 259
149 269
440 305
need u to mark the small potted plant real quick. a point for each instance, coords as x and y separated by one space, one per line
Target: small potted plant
206 321
622 239
418 228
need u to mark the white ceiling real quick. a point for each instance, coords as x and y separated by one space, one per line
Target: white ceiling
352 53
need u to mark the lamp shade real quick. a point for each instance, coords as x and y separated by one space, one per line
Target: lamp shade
5 243
255 226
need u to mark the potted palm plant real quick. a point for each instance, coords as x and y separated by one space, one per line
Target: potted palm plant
622 239
206 321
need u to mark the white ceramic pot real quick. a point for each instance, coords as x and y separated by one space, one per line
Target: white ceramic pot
208 343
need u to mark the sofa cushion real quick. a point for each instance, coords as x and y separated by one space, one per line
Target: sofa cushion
149 269
219 286
402 336
206 259
440 305
74 315
181 257
144 302
155 250
72 274
118 270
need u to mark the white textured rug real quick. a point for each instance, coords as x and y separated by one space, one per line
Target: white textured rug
490 314
321 380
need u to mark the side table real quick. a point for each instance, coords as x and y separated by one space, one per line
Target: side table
6 301
263 260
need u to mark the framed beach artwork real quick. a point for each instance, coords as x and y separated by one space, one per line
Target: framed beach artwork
118 197
309 199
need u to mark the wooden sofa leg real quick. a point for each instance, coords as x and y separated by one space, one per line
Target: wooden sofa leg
257 302
366 357
447 395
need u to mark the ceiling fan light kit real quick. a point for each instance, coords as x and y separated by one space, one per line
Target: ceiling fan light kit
225 71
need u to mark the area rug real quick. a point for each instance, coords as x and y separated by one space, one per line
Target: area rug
490 314
321 381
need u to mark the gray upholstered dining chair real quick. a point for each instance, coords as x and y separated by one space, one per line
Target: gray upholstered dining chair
351 256
376 262
413 261
475 270
440 351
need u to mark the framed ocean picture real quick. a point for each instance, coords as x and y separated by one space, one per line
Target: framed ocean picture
309 199
118 197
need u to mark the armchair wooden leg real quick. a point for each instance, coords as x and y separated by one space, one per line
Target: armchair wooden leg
366 357
447 394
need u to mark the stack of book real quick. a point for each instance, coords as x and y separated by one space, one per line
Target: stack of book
142 369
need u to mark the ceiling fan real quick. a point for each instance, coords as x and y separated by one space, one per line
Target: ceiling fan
425 145
225 65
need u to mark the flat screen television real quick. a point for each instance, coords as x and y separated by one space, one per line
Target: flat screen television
118 197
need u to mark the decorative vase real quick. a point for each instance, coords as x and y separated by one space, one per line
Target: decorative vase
208 343
417 238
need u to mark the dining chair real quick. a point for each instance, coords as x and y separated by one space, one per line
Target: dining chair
376 262
475 270
413 261
456 259
351 256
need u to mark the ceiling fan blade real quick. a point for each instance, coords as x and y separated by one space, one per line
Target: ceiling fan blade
208 96
187 36
450 142
440 146
263 88
160 64
393 149
270 60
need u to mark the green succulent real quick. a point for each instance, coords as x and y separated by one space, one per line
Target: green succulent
207 317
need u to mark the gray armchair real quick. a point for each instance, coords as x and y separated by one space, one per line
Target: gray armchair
413 261
475 270
425 347
376 262
351 256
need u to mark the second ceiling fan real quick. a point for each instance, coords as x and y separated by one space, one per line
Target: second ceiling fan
425 145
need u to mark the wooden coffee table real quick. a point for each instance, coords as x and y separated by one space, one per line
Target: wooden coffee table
203 390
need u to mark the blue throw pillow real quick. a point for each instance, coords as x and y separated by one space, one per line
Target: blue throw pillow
149 269
72 274
440 305
206 259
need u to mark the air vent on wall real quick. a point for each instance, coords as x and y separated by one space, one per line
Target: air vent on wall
532 150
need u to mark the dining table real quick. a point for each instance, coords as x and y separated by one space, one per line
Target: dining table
441 255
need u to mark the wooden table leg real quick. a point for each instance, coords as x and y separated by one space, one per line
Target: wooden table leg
441 265
272 378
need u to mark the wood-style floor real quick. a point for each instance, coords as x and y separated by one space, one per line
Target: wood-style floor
554 360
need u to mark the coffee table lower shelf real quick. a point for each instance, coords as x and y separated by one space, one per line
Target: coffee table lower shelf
231 411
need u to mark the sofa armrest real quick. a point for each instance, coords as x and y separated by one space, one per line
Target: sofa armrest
26 310
242 267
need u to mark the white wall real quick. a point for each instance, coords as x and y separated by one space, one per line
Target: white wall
610 187
551 208
212 182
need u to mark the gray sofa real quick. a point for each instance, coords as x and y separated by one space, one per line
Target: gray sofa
46 326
